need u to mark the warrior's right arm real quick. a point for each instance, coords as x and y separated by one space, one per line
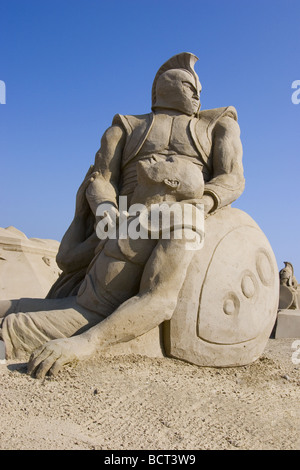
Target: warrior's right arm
105 186
101 183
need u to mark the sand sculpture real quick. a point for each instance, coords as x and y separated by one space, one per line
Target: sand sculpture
27 265
289 288
288 318
212 302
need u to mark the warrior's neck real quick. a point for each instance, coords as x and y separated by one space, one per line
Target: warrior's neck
169 112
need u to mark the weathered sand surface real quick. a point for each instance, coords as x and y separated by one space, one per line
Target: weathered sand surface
27 265
136 402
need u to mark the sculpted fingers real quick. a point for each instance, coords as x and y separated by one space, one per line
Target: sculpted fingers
58 364
36 357
93 176
90 170
51 357
45 366
89 178
81 200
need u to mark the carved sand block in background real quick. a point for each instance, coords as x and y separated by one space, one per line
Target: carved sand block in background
27 265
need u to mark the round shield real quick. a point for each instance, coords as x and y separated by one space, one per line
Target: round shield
240 290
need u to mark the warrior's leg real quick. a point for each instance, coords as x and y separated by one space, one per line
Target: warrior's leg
32 305
24 332
161 282
111 280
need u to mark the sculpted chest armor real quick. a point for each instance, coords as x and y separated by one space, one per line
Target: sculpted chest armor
169 135
162 135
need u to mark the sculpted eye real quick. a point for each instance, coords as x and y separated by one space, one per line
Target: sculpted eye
191 88
189 85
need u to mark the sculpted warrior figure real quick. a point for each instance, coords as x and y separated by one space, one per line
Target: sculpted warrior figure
116 290
175 127
289 292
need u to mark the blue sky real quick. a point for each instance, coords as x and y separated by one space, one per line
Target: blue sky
70 65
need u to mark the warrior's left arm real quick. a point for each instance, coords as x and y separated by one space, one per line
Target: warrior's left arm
227 182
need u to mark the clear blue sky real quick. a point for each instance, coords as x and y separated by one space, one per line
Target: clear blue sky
71 65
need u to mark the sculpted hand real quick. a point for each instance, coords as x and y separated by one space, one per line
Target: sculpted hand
208 203
100 190
81 201
52 356
106 221
206 200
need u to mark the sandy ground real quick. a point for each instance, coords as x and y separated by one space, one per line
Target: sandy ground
135 402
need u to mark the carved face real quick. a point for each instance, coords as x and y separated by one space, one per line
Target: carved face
178 176
178 90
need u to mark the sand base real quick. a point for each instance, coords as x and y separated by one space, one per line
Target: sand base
137 402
